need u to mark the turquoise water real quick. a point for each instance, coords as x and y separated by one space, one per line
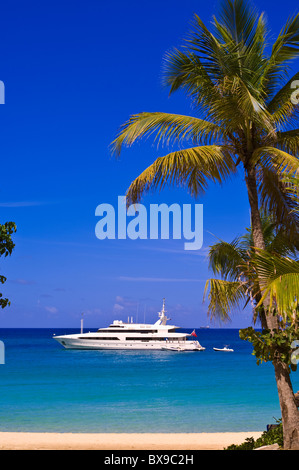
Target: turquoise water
44 387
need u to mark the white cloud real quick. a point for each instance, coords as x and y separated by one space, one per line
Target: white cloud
124 304
118 308
51 309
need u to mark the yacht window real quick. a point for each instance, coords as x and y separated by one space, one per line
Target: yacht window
109 338
141 331
143 340
127 331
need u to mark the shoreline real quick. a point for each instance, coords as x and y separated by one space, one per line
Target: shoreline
122 441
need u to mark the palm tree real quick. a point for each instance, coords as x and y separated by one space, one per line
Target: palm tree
248 275
245 120
279 278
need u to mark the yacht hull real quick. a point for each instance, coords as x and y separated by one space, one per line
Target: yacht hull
73 343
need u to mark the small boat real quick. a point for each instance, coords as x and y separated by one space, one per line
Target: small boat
225 349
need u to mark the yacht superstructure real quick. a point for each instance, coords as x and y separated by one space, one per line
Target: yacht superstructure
120 335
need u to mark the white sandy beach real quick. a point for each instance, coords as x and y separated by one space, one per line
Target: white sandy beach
154 441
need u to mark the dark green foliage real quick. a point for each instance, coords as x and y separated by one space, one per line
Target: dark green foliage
274 436
247 445
6 247
275 345
6 243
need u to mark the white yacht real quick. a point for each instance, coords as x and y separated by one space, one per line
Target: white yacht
120 335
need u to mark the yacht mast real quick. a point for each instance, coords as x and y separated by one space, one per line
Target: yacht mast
82 324
162 316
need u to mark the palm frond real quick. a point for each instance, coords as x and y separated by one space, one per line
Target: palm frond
168 128
289 141
183 69
238 20
286 46
226 259
219 76
280 279
224 298
281 106
212 55
276 199
283 162
238 265
277 239
282 243
291 185
284 49
191 168
253 107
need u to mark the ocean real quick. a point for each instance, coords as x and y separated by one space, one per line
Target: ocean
45 388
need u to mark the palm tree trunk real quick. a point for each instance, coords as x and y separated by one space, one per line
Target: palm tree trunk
256 223
288 405
289 410
257 231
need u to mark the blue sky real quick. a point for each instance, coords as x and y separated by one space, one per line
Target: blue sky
73 73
